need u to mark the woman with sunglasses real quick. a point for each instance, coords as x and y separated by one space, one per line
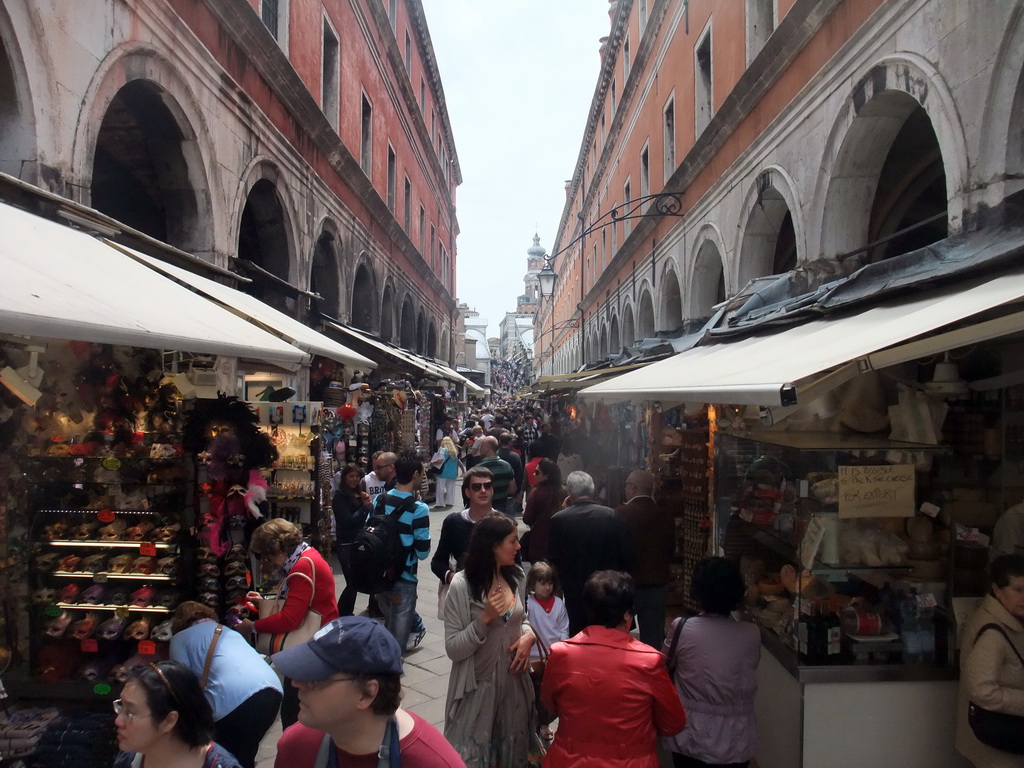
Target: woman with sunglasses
164 721
489 713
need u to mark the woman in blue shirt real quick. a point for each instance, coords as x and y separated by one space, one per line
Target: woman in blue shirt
243 691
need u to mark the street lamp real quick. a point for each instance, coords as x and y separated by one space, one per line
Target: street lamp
546 278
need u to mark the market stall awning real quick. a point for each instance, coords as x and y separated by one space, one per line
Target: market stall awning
61 283
251 308
789 367
399 357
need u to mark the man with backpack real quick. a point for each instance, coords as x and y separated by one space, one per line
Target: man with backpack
395 538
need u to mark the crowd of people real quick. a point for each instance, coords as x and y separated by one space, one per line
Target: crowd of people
563 599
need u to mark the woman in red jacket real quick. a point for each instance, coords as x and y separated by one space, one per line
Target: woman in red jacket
611 693
279 546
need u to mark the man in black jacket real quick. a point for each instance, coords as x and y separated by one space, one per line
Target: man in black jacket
585 537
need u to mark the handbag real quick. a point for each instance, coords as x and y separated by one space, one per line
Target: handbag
537 666
670 660
269 643
998 730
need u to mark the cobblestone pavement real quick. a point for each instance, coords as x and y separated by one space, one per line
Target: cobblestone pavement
425 682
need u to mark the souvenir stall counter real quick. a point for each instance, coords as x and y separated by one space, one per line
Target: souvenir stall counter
849 582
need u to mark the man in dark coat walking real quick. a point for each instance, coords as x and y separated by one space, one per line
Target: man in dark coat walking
585 537
652 535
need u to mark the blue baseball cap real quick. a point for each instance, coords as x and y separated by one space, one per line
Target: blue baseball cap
354 644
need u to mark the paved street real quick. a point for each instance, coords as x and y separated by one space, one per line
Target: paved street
425 683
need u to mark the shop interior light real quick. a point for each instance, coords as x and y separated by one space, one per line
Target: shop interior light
22 389
946 381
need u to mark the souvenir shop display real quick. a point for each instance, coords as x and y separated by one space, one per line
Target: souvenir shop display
680 460
844 566
293 479
93 520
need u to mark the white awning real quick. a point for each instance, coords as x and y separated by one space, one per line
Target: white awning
253 309
409 360
61 283
790 367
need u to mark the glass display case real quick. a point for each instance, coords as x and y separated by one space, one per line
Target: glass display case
847 562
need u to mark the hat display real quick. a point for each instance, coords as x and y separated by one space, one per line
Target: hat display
354 644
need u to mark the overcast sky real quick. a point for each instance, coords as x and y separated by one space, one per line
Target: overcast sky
518 78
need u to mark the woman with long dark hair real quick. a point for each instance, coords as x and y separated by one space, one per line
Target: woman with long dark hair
351 507
546 498
489 714
163 715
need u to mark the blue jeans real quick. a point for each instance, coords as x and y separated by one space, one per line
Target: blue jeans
399 609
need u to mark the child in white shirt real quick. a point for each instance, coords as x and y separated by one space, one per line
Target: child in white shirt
550 622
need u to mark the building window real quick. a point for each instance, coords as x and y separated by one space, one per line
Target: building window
643 16
270 13
408 54
645 174
392 166
615 237
366 138
602 130
702 93
407 204
423 229
433 124
627 195
433 236
613 95
274 15
760 25
423 97
670 138
330 76
625 59
393 14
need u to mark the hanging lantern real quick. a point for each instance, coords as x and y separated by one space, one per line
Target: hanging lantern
346 412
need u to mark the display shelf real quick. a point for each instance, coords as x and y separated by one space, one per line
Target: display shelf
129 608
108 544
79 511
788 552
107 575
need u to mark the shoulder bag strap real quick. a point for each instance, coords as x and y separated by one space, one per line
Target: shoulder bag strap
539 642
326 755
312 567
675 643
1002 632
389 755
209 656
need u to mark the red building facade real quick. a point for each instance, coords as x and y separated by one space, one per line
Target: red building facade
303 146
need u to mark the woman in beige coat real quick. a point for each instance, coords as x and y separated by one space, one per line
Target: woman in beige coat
991 675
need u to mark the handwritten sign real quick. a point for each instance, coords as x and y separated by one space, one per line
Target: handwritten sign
886 491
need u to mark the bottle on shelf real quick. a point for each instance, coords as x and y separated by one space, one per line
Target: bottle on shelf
833 633
911 631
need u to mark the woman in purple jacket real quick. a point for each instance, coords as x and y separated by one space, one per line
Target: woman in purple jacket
716 673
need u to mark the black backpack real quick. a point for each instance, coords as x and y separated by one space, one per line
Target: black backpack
377 555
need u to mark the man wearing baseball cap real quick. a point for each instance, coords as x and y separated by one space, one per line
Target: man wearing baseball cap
349 681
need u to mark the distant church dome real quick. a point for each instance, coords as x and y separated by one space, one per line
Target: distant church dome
536 250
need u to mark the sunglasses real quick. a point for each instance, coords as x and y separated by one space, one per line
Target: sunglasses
480 486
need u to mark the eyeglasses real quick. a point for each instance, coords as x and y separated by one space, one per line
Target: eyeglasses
119 709
378 467
480 486
318 684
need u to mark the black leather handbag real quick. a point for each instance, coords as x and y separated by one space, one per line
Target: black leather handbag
998 730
